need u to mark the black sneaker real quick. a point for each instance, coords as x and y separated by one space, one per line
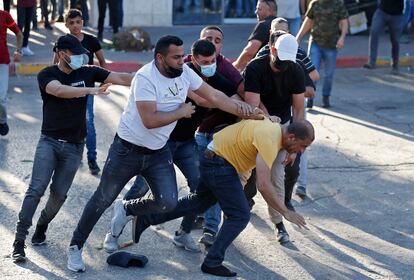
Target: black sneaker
39 236
18 254
208 238
48 26
60 19
325 101
288 204
309 103
368 66
282 234
93 167
4 129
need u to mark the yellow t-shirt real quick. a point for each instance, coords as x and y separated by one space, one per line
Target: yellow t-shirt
239 143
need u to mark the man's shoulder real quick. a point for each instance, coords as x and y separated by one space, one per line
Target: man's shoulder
258 62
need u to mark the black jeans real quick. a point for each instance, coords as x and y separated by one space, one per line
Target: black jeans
24 19
6 5
84 8
113 13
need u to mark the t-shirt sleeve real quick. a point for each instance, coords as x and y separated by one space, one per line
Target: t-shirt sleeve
251 79
267 140
45 77
11 24
260 33
143 89
194 79
310 13
231 73
298 86
304 58
343 13
95 45
100 74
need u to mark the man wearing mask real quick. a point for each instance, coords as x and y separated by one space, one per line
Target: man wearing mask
156 102
182 144
278 82
64 87
266 11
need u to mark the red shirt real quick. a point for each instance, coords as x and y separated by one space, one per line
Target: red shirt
6 21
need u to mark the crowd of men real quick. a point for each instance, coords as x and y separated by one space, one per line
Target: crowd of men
232 129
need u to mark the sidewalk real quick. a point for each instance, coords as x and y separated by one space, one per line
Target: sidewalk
354 54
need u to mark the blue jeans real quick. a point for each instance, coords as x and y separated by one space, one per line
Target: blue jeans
54 160
185 156
220 182
125 161
212 217
4 86
90 128
294 25
317 54
394 23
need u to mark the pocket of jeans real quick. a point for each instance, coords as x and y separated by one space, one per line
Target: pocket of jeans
120 149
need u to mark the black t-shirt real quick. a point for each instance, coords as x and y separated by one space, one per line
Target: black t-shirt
392 7
64 118
186 127
92 44
261 31
275 89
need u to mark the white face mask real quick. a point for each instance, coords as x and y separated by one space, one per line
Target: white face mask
208 70
76 61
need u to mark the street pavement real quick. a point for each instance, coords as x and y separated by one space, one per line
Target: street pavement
359 210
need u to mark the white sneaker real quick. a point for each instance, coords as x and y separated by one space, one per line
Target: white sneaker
119 220
75 261
110 243
184 240
27 51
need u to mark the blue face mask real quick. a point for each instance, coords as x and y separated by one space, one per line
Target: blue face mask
76 61
208 70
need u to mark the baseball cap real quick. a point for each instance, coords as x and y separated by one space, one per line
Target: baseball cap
69 42
287 47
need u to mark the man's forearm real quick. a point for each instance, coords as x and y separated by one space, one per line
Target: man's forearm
64 91
19 40
306 26
242 60
271 198
343 24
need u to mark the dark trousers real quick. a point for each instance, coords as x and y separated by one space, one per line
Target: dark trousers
84 8
24 19
6 5
113 13
220 182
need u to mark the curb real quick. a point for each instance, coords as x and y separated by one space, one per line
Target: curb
28 69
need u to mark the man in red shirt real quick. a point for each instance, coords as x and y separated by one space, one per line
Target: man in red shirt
6 22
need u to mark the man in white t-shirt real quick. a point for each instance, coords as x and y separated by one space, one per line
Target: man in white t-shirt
156 102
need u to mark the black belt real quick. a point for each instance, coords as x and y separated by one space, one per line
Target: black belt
139 149
209 154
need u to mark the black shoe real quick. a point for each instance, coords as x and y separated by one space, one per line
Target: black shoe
100 37
93 167
208 238
289 205
60 19
138 227
39 236
251 203
309 103
220 270
18 254
48 26
325 101
368 66
4 129
282 234
198 223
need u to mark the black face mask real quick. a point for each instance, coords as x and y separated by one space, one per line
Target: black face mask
282 66
171 71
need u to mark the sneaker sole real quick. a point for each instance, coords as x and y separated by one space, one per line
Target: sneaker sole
19 259
76 270
39 243
181 245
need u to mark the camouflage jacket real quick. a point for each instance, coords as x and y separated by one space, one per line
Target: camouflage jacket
326 15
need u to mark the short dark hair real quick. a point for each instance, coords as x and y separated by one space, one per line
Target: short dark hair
73 13
164 43
274 36
271 3
302 130
212 27
203 47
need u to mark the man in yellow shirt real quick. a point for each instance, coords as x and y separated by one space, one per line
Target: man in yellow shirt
238 148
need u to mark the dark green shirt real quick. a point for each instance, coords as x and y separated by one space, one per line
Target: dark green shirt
326 15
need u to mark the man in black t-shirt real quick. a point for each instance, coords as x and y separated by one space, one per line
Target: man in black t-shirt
64 89
278 82
265 12
182 144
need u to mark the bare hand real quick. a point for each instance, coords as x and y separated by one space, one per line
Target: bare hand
187 109
340 43
296 218
290 159
310 92
102 90
17 56
275 119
